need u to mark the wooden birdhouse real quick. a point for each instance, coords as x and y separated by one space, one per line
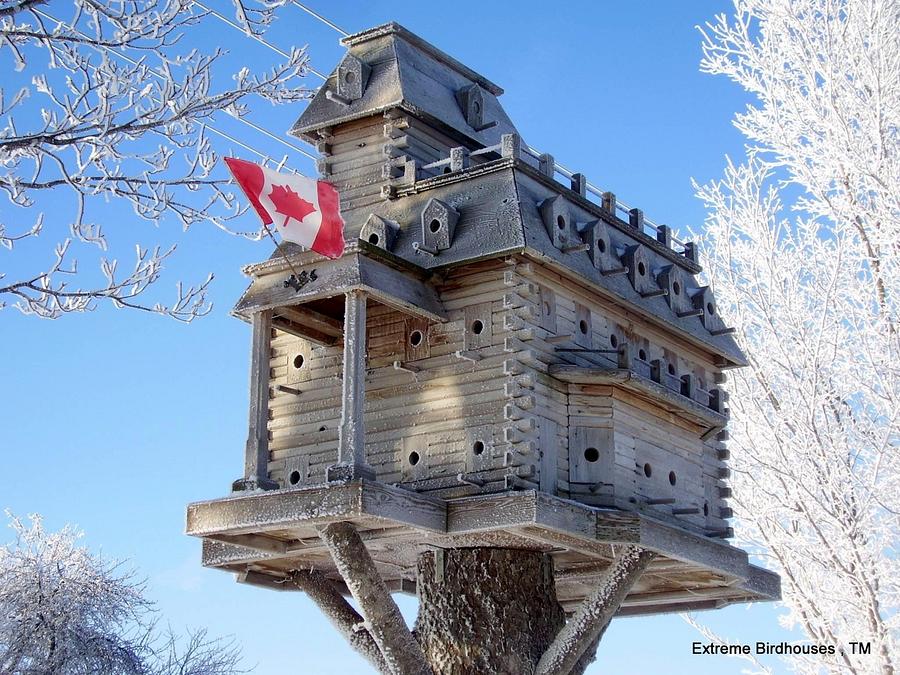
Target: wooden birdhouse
504 355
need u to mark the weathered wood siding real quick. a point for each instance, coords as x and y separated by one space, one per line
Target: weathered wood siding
452 415
365 158
606 440
353 160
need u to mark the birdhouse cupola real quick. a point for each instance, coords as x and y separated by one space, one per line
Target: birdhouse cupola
504 355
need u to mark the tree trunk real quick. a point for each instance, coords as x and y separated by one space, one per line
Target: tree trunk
481 610
486 610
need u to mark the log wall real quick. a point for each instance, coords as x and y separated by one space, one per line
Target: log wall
612 447
366 159
439 403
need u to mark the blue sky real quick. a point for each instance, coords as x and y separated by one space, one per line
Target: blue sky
116 420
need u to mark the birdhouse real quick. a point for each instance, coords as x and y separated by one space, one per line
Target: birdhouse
504 355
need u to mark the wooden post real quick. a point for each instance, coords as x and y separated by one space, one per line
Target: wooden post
582 632
459 159
664 235
383 619
547 165
609 203
351 464
256 455
636 219
579 184
343 617
510 145
690 251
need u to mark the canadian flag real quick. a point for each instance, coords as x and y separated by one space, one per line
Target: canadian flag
304 210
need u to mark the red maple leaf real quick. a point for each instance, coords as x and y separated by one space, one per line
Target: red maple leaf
290 204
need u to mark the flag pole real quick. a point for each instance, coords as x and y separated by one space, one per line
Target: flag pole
280 250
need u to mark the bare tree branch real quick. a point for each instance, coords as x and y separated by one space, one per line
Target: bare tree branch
66 610
343 617
123 114
582 632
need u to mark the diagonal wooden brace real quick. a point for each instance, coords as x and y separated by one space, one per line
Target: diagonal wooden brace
343 617
399 648
583 630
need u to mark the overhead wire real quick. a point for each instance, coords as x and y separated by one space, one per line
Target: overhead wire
274 48
205 125
321 18
218 15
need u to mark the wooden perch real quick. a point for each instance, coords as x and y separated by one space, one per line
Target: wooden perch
399 648
343 617
584 629
406 367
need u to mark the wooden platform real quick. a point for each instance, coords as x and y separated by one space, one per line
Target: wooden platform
264 535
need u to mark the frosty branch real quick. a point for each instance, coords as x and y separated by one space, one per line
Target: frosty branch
801 244
342 616
111 108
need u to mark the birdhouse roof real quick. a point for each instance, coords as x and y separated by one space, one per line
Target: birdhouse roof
408 73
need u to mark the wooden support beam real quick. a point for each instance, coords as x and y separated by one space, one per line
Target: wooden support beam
396 284
351 463
260 580
582 632
258 542
258 513
304 332
405 586
316 320
218 551
256 454
399 648
342 616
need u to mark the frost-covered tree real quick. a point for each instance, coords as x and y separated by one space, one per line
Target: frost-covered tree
802 242
107 101
66 611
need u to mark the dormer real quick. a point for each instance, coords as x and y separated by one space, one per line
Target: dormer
471 101
438 222
352 77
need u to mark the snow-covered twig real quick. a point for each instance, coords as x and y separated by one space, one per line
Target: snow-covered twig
123 108
66 610
801 243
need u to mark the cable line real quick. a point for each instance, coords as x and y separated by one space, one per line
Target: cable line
321 18
160 77
254 36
